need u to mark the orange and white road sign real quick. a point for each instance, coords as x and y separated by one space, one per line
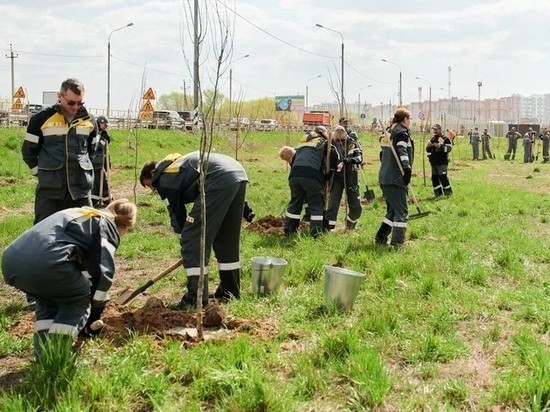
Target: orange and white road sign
20 93
149 95
145 115
147 107
17 105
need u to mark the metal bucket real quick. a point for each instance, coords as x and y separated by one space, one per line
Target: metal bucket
267 274
341 287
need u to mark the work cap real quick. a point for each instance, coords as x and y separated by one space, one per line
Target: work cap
436 126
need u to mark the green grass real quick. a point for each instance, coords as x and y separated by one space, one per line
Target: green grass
456 320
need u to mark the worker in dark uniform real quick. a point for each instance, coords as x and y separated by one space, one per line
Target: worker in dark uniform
60 142
314 161
66 262
346 178
101 191
486 145
528 146
438 149
545 137
394 178
513 136
176 179
474 141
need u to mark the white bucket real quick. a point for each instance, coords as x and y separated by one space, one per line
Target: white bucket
267 274
341 287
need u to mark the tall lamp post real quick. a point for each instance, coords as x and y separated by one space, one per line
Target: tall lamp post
342 80
400 80
109 67
479 84
430 99
231 82
307 89
359 100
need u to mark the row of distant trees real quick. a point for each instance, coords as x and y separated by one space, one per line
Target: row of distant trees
263 108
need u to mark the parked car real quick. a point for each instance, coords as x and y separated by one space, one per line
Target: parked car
166 119
268 125
242 123
192 119
32 109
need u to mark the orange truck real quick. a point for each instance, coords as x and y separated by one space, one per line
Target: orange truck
317 118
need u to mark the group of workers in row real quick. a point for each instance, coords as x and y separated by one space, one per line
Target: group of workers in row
65 262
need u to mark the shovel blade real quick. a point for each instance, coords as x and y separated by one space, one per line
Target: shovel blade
419 215
369 195
124 297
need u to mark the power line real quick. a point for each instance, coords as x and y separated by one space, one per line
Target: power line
272 35
54 55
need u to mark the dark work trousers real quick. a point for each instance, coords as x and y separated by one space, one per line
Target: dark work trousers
486 150
45 206
512 147
62 299
100 193
546 150
475 151
353 198
397 212
440 181
224 212
302 188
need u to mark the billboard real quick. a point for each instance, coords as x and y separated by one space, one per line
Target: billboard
293 103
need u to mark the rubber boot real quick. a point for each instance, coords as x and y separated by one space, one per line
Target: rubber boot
291 226
230 285
189 300
350 225
398 236
448 191
381 237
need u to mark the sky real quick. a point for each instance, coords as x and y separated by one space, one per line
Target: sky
502 43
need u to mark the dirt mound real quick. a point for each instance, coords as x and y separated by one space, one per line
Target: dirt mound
271 225
153 319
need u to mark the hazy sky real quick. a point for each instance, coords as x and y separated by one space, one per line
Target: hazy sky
503 43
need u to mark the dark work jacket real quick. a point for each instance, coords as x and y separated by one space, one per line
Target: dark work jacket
310 159
60 153
439 156
400 138
176 179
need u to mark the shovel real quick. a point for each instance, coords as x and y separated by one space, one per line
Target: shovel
369 194
129 295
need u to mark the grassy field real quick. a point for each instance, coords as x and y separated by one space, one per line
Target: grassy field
458 319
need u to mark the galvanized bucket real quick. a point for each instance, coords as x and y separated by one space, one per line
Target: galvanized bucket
341 287
267 274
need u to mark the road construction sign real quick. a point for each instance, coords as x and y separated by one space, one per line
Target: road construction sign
20 93
149 95
17 105
147 107
145 115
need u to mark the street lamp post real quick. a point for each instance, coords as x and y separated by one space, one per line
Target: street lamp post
400 80
342 80
479 84
231 83
307 90
430 99
359 100
109 67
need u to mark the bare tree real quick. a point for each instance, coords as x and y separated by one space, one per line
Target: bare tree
214 31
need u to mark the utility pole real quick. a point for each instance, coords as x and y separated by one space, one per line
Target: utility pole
479 84
12 57
185 103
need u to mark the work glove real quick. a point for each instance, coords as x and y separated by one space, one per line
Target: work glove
407 173
94 325
248 213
